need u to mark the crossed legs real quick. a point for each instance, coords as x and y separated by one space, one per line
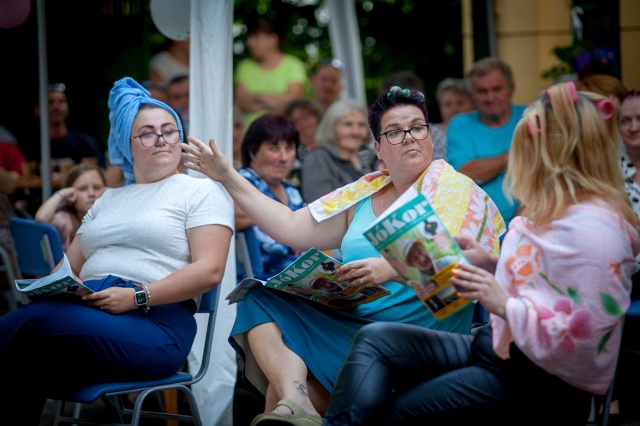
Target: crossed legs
399 373
286 372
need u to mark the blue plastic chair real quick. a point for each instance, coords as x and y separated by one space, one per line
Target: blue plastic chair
37 246
118 391
248 258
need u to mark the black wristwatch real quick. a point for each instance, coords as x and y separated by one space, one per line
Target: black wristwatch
141 298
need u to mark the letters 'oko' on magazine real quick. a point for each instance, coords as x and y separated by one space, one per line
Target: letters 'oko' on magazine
413 239
311 277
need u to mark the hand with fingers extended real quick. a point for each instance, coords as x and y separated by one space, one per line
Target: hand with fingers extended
208 160
481 285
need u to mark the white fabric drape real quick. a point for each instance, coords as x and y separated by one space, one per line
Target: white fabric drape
346 46
210 115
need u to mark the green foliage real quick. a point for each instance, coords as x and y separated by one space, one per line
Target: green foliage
395 35
566 54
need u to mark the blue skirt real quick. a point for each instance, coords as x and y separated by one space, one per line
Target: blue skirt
59 342
321 336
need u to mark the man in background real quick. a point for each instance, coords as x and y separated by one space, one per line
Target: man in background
478 142
326 82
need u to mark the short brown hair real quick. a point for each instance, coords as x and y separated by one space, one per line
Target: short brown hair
486 65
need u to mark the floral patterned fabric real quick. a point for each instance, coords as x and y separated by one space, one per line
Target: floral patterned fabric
460 203
569 285
275 256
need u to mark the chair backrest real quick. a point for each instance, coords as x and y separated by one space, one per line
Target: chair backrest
633 311
208 301
208 304
37 246
248 258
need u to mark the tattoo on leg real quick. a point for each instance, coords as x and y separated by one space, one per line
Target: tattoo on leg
302 388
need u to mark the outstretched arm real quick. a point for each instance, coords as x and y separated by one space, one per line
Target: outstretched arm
297 229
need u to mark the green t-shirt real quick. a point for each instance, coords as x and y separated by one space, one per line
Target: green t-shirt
275 81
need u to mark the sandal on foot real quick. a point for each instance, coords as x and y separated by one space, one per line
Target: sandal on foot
298 418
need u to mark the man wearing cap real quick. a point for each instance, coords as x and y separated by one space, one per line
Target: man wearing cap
416 255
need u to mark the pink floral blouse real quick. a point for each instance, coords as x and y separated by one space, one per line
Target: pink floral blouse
569 285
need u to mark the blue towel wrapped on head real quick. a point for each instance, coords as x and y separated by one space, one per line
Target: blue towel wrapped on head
125 99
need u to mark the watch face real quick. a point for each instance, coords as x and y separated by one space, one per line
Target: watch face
141 298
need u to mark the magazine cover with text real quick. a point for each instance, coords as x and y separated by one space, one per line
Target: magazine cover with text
413 239
60 283
311 277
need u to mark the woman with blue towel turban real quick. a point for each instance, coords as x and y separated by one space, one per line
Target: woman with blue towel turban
152 237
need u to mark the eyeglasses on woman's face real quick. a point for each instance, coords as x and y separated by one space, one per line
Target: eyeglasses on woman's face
397 136
150 139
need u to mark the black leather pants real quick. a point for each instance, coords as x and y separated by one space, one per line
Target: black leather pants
399 374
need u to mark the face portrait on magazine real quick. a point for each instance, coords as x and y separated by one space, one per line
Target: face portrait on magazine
417 261
322 286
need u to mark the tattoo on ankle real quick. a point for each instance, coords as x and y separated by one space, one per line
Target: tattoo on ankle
302 388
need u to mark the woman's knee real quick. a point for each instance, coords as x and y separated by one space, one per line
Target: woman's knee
374 333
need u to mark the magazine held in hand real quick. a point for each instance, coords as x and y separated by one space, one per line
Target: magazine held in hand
62 282
311 277
413 239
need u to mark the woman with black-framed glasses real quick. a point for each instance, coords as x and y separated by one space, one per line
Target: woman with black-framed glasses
294 350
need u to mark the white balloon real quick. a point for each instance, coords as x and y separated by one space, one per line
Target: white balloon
172 18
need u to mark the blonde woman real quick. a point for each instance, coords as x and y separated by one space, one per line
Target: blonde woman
556 293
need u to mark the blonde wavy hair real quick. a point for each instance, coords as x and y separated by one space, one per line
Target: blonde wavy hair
564 151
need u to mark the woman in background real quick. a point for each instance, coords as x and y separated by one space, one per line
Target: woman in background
453 98
342 155
268 152
306 115
624 407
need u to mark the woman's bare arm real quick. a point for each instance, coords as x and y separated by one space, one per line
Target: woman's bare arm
297 229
